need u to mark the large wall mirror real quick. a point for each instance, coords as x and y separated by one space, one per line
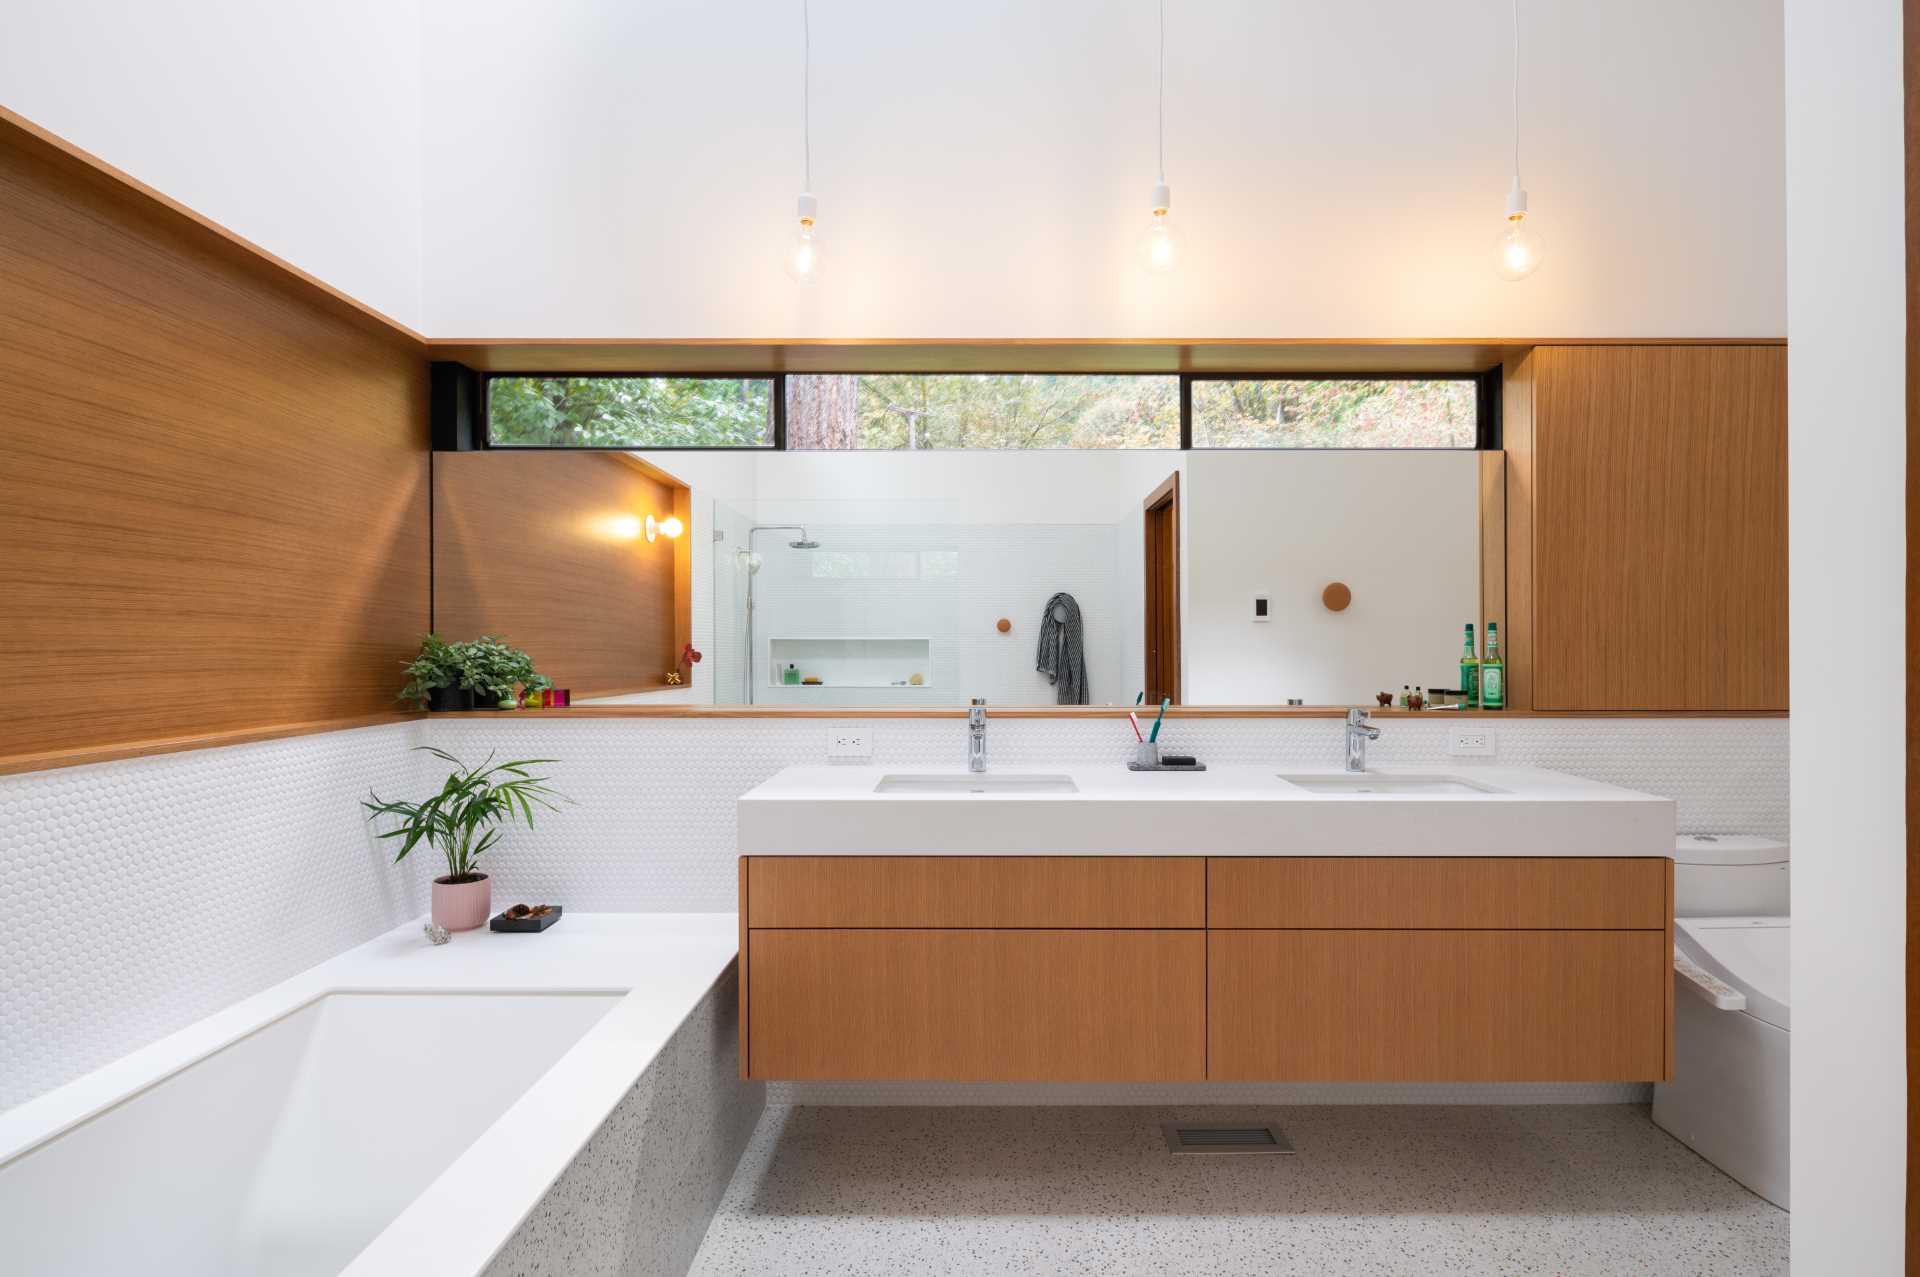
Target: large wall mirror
914 540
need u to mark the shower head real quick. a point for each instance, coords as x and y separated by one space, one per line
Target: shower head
804 543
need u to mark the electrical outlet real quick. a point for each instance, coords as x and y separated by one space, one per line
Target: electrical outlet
849 741
1470 742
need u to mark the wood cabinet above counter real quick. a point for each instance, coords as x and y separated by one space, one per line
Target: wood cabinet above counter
1646 520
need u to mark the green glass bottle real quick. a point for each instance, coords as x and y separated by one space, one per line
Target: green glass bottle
1470 670
1493 672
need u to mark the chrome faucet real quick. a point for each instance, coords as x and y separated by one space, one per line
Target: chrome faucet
977 735
1359 732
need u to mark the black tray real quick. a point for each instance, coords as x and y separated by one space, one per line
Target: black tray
503 923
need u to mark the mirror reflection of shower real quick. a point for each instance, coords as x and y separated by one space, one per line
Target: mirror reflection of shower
749 563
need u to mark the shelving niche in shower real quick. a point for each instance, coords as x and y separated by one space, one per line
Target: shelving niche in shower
853 662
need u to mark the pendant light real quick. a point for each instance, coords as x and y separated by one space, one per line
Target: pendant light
802 261
1518 250
1160 241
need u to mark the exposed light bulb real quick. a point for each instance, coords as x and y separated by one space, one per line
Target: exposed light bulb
803 249
667 527
1160 241
1518 250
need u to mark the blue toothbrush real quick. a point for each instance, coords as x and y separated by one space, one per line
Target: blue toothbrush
1159 718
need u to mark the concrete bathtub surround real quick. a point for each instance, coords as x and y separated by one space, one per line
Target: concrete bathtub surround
609 1130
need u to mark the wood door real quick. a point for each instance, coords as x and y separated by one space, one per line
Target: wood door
1659 528
979 1006
1437 1006
1162 519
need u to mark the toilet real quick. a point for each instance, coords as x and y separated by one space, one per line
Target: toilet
1728 1097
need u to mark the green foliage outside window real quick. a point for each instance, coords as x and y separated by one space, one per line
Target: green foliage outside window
630 412
916 411
1360 413
992 411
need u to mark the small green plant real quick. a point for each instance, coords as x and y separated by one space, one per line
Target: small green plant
438 665
496 671
492 669
465 818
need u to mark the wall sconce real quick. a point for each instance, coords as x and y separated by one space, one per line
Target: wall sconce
668 527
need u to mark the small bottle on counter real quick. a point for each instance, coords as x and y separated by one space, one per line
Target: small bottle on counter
1419 699
1493 671
1470 670
1406 695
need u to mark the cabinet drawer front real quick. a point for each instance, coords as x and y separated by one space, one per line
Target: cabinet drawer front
1418 891
1438 1006
976 891
982 1006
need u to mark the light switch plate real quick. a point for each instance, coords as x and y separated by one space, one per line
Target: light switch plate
849 742
1470 742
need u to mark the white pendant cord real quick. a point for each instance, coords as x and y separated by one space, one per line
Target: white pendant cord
806 94
1161 107
1516 92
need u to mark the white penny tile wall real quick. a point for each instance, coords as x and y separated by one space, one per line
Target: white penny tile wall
652 825
151 892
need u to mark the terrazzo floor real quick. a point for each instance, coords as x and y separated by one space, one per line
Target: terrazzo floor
1586 1189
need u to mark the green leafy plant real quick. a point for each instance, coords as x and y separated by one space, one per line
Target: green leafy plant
466 817
489 666
496 671
437 665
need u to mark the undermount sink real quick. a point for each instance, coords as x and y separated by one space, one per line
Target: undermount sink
1385 783
977 783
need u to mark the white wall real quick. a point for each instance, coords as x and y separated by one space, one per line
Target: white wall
295 126
1846 468
1401 529
629 170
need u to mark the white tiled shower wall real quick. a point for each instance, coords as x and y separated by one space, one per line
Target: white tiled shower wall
155 891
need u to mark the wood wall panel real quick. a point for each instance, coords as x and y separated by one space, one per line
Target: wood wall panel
978 1006
977 891
1437 1006
1659 528
214 503
1438 892
530 547
1516 436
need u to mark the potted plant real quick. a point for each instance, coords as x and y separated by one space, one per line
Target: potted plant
462 822
436 679
497 672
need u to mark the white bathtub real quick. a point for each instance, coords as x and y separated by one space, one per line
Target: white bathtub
287 1152
395 1112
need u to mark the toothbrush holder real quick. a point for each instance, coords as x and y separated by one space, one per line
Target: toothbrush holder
1146 754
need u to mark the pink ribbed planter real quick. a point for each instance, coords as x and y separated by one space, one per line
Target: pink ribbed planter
462 906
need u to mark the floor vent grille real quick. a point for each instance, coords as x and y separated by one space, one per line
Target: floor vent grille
1185 1137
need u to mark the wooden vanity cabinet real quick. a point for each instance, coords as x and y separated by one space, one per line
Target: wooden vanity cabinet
1127 969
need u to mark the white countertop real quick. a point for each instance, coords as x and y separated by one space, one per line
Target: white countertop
664 964
1235 810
